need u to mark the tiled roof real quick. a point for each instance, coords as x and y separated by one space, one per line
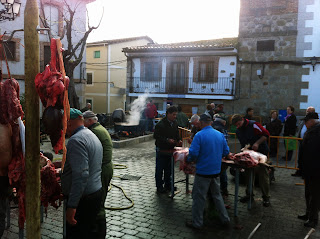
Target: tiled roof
194 45
114 41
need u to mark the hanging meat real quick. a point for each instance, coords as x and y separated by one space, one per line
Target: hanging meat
51 86
50 188
10 111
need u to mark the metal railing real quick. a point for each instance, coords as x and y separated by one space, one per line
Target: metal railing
190 85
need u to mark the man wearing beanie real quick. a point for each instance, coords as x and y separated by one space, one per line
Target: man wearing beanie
81 178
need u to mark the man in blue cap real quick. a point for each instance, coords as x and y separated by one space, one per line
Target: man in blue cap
207 149
81 178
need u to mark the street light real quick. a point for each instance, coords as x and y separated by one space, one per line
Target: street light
12 9
313 62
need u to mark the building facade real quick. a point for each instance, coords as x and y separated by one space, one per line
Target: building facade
105 75
53 13
189 74
277 39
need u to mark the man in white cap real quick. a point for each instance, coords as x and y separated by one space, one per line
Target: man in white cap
91 122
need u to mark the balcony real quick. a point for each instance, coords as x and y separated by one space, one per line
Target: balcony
184 86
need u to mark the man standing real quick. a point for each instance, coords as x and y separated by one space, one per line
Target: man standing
207 149
81 178
219 110
253 133
249 113
289 129
167 137
151 113
88 107
182 118
91 122
302 129
195 122
220 124
310 153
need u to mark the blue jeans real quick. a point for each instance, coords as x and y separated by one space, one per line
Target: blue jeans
163 170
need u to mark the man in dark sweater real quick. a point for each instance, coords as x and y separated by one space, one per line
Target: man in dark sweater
310 153
289 129
167 137
253 133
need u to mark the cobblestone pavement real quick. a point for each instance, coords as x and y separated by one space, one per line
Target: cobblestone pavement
158 216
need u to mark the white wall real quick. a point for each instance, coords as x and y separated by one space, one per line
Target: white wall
315 24
17 68
313 78
314 88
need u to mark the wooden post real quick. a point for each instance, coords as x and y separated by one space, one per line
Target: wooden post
31 41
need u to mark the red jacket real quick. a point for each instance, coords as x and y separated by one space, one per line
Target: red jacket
151 111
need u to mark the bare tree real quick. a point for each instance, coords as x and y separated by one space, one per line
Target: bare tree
73 53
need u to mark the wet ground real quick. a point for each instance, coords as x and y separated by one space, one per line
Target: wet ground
158 216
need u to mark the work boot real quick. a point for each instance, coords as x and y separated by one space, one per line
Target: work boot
296 174
266 202
303 217
246 199
311 223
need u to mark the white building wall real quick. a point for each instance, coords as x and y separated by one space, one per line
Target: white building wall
315 24
225 64
312 8
17 68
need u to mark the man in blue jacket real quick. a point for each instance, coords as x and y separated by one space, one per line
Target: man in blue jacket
207 149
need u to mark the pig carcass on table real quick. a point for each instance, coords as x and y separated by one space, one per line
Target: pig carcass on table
180 154
250 158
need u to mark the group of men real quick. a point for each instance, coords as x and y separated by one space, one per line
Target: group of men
86 176
209 146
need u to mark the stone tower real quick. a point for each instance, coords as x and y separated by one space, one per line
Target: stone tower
271 55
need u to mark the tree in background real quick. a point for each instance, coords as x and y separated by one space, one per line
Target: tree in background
74 51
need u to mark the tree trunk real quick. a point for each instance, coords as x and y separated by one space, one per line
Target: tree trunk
72 94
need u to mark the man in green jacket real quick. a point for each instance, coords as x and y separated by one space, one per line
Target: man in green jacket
91 122
182 118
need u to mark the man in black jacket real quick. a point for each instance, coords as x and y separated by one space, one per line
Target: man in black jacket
290 126
167 137
310 153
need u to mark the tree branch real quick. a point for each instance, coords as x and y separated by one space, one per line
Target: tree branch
12 33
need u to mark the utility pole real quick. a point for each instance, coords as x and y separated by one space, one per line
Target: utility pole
31 40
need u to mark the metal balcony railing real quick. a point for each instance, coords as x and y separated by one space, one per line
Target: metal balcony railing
189 85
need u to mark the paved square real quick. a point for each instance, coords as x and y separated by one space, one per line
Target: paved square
158 216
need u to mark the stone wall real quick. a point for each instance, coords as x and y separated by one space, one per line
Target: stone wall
279 84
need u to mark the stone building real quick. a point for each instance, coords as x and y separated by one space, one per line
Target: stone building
277 39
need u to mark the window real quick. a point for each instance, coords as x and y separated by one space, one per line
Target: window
10 51
46 56
89 78
265 45
96 54
206 71
151 71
